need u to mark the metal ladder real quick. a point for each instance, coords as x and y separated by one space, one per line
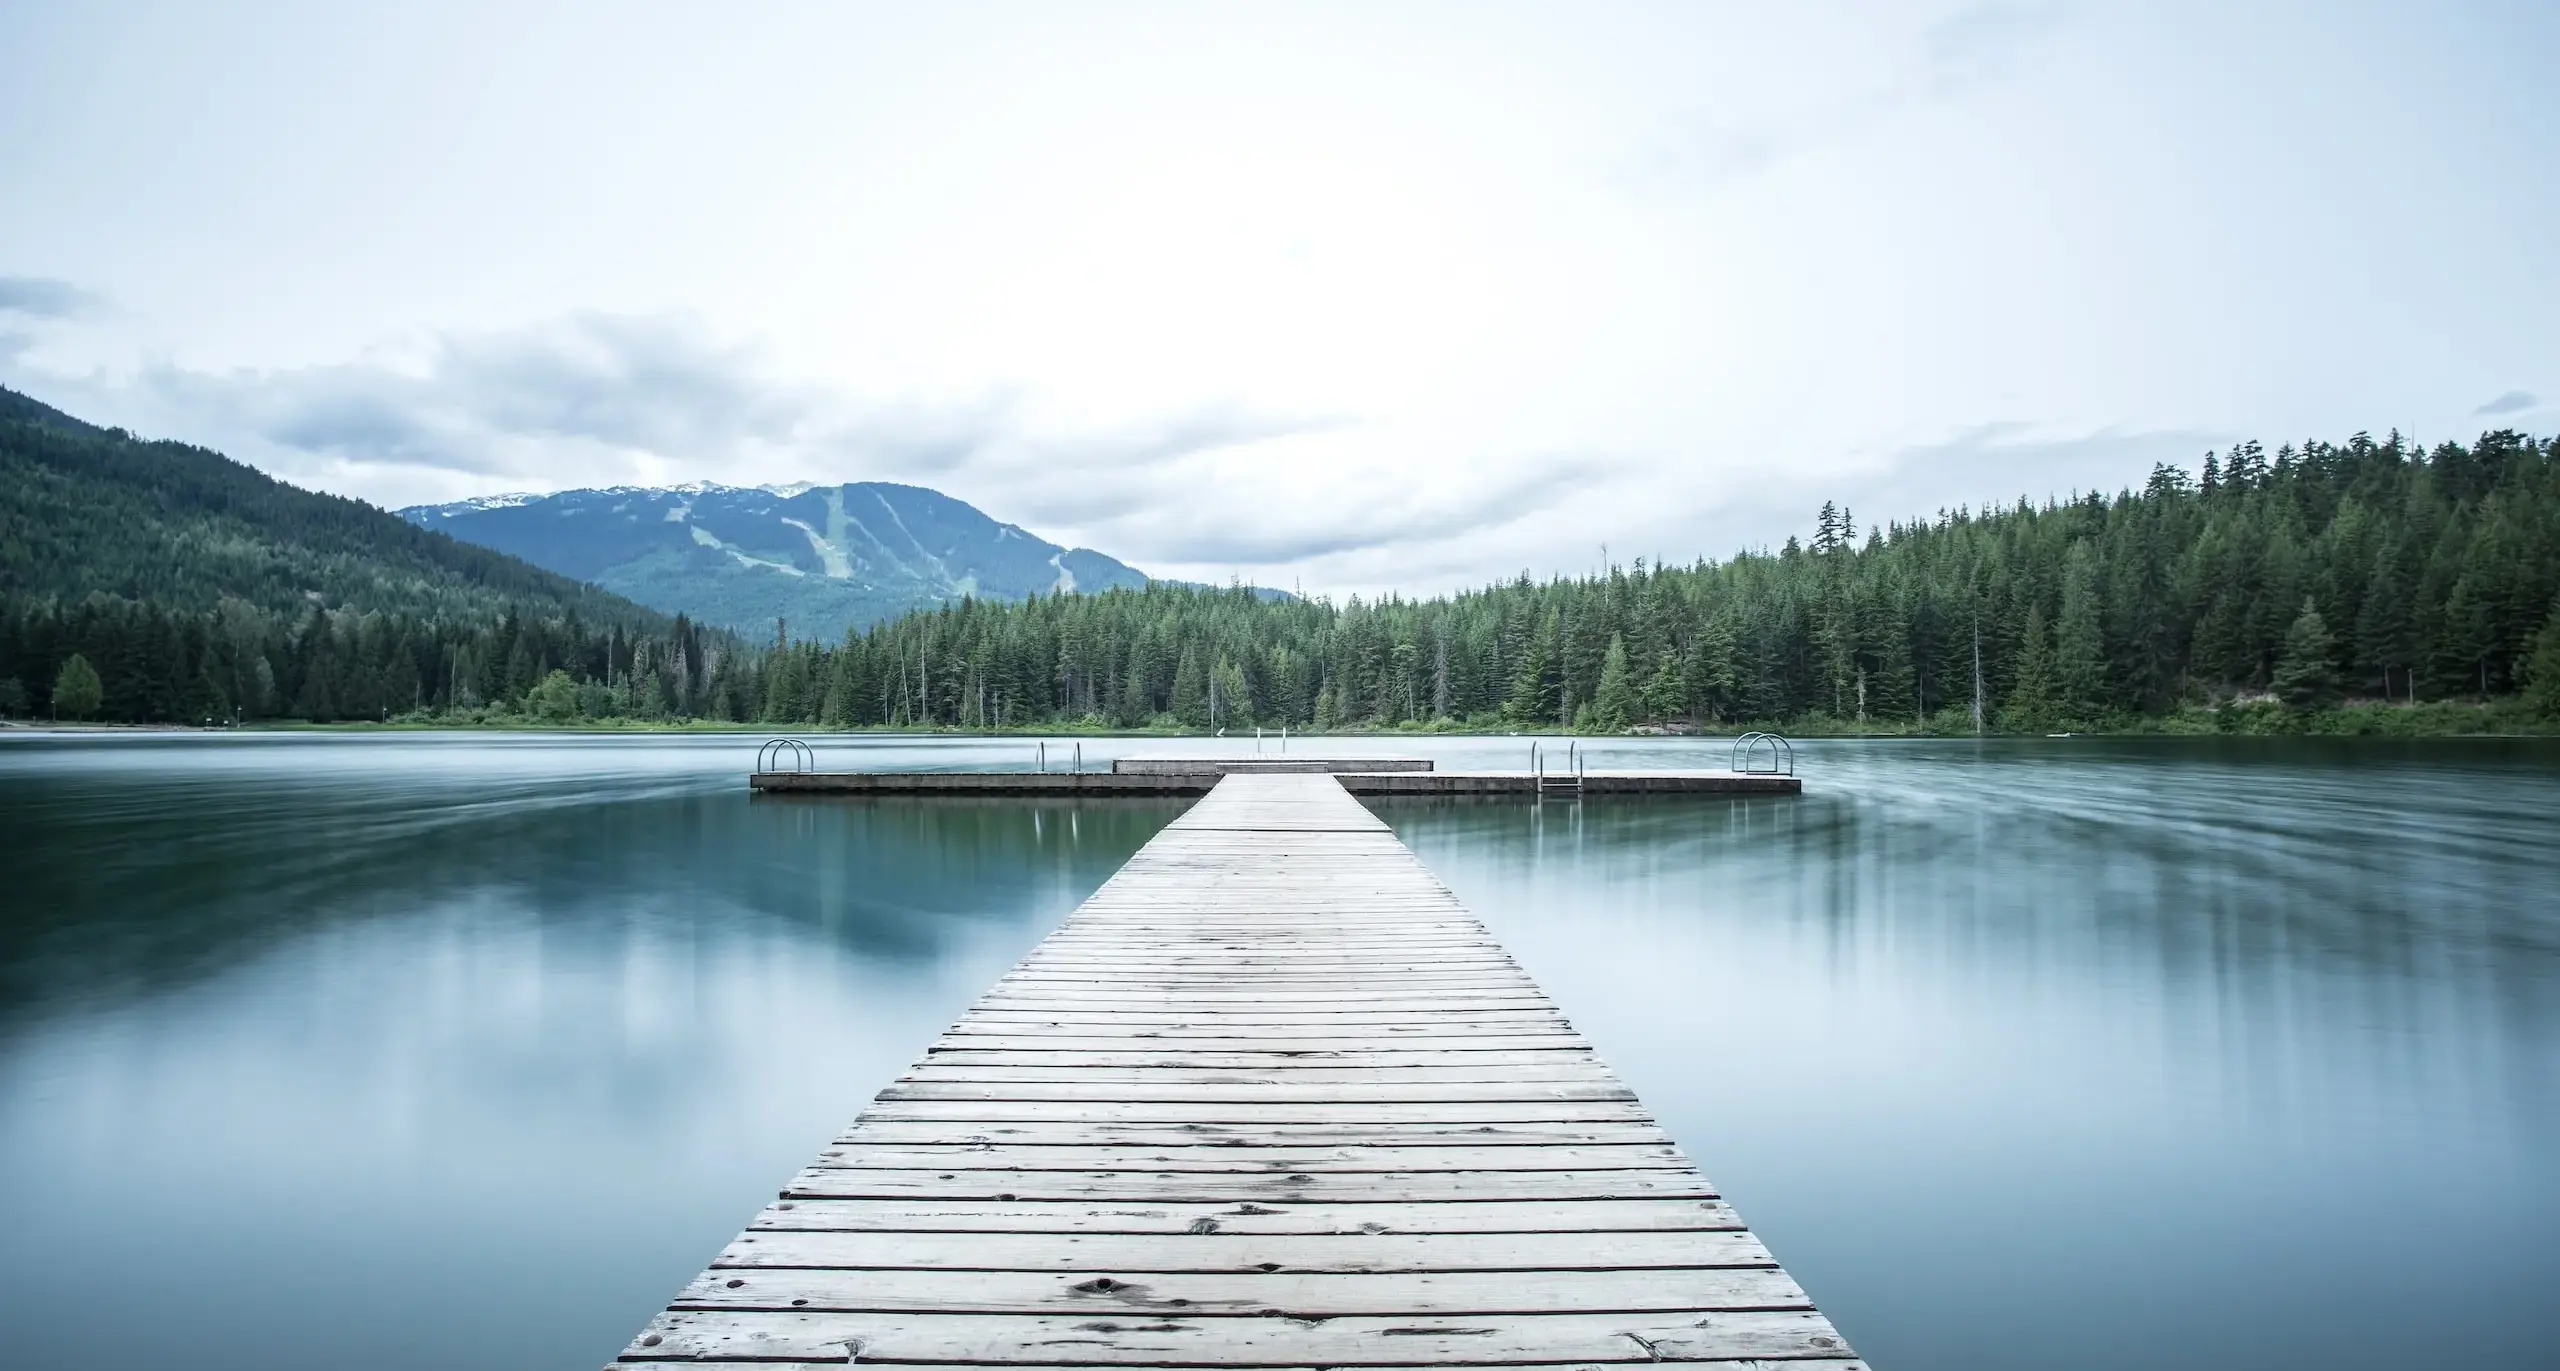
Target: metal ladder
1764 754
785 754
1565 782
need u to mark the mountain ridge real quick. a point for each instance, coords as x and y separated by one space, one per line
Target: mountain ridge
826 558
91 510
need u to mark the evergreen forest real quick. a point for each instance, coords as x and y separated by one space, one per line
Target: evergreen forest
163 583
2262 589
154 582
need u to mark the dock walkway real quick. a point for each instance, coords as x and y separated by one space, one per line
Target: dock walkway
1271 1098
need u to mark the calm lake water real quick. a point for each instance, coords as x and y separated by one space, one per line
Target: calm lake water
414 1051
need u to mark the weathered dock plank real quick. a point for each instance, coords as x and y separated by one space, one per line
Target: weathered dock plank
1356 1252
1145 1185
1273 1099
1274 1336
1192 1294
1376 1156
1362 1221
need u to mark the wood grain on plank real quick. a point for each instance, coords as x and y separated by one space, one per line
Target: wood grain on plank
1173 1186
1150 1339
1017 1156
1221 1251
1549 1217
1108 1290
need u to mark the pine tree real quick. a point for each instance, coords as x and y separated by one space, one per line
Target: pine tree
836 707
1440 667
1235 696
1714 667
2386 639
2464 637
2542 668
1328 709
1666 694
1615 704
1530 702
2032 697
1827 536
2305 675
1190 701
1134 706
312 700
2079 647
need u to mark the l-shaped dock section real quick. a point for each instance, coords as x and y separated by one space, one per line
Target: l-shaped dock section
1270 1099
1198 775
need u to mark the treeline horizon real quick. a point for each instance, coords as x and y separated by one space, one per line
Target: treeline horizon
2369 570
239 663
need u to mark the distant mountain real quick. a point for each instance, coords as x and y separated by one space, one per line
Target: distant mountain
825 558
87 510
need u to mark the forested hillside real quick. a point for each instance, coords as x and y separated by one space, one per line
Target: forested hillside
2283 583
192 587
2305 577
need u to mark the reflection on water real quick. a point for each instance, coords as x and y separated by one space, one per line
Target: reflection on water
435 1052
330 1053
2134 1054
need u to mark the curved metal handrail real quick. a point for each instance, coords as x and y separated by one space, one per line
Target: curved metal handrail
785 754
1752 747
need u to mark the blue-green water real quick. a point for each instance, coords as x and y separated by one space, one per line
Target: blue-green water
406 1051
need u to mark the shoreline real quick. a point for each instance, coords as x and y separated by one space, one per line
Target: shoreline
2425 721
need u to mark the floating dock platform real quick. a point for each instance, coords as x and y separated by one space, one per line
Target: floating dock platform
1199 775
1270 1099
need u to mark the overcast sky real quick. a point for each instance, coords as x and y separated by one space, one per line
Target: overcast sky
1376 296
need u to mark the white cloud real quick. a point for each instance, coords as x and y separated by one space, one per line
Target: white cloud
44 297
1406 297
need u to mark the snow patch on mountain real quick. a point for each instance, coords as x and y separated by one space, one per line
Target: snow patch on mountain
510 500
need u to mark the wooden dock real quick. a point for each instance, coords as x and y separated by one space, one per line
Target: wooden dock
1198 776
1271 1098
